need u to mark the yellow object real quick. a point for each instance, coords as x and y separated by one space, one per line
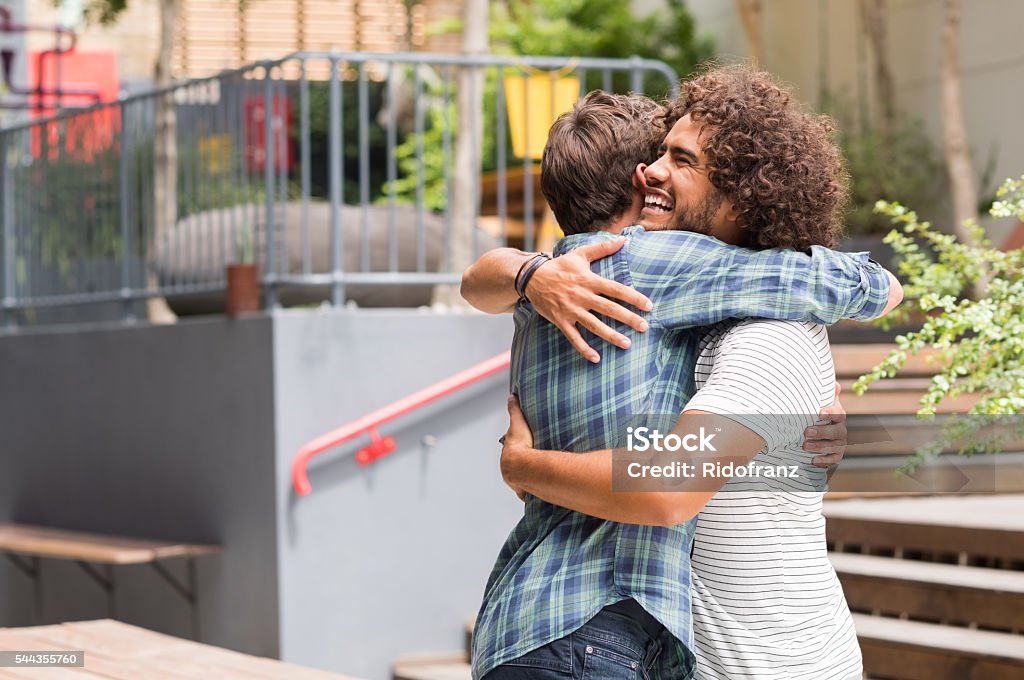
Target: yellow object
534 102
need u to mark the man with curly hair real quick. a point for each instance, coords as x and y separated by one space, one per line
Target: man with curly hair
598 581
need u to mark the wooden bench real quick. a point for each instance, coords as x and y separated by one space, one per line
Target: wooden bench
911 650
26 545
117 650
938 593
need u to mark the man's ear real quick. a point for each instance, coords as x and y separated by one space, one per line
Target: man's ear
732 213
639 181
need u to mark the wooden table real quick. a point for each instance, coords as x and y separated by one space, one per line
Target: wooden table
26 545
116 650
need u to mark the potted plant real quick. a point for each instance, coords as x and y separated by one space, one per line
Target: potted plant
243 277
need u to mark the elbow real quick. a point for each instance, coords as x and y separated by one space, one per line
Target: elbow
467 283
673 509
895 293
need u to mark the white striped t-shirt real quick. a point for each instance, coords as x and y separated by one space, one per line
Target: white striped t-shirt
767 604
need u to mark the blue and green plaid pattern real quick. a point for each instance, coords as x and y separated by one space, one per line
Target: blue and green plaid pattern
558 567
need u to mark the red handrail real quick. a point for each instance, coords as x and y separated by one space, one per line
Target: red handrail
382 446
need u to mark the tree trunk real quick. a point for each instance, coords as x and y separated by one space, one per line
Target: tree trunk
468 143
750 17
873 14
958 160
165 157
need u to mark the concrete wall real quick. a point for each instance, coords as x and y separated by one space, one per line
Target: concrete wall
390 559
159 432
187 432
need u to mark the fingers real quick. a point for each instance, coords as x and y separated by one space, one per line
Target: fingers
603 249
603 330
833 432
615 311
827 461
571 334
834 412
519 432
516 419
618 291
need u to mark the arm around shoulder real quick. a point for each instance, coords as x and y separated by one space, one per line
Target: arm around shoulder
489 283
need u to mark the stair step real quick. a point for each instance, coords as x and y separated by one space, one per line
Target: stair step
856 360
989 598
1001 473
984 526
451 668
911 650
898 396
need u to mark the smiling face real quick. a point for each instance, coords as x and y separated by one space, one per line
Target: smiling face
677 192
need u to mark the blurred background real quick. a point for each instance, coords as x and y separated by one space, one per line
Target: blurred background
232 236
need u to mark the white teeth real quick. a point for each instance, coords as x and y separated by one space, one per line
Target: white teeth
657 201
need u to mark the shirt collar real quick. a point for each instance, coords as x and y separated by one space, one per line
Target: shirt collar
573 241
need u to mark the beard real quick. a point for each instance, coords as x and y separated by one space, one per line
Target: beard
697 218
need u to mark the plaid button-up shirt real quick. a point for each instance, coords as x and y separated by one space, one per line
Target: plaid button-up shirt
558 567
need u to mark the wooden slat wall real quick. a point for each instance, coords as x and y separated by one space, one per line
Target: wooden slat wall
216 34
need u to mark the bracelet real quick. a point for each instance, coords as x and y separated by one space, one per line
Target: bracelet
519 274
532 266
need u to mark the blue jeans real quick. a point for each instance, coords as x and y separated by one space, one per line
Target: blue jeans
609 646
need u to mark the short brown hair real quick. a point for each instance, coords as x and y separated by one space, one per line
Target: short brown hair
776 162
586 172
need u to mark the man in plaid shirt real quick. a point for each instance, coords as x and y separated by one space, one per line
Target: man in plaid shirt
574 595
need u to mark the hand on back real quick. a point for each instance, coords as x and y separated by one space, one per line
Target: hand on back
568 294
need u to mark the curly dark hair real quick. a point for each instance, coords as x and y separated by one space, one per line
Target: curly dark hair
776 162
586 172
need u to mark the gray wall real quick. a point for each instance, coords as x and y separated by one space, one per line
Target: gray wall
159 432
187 432
391 559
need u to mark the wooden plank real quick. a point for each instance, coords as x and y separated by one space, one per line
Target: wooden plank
112 639
856 360
90 547
890 397
245 665
990 598
946 474
54 674
982 525
117 650
452 667
910 650
993 511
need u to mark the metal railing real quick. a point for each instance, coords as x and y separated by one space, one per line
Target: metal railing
331 171
381 446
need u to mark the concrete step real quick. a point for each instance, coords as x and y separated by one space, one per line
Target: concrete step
937 593
910 650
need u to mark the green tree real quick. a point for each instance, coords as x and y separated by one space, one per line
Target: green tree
978 341
599 28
